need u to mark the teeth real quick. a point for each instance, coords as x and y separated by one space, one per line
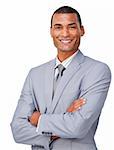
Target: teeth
65 41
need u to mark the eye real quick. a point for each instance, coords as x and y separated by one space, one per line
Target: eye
58 27
72 27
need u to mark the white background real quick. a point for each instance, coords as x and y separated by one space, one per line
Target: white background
25 43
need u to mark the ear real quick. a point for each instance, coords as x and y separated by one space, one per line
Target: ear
51 31
82 30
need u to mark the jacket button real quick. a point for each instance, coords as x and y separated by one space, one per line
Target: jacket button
40 146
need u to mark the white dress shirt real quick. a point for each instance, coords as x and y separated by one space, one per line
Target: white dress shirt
65 63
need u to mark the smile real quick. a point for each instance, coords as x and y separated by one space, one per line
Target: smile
65 41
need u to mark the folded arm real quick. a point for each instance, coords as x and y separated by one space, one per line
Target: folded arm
94 88
75 106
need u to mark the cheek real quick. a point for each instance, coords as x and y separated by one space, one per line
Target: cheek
55 34
75 33
55 40
76 37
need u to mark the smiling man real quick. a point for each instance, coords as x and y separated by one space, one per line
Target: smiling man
61 100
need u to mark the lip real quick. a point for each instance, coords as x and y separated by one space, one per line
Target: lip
65 41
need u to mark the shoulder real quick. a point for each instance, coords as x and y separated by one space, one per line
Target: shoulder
95 64
41 68
95 73
96 67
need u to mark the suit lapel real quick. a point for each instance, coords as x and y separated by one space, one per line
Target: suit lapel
68 73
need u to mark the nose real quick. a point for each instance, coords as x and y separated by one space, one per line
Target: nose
65 32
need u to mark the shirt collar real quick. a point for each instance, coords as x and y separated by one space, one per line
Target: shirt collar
67 61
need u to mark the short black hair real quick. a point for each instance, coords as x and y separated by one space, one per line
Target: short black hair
67 9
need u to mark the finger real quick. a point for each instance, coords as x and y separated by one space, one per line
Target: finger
75 105
78 106
77 102
80 101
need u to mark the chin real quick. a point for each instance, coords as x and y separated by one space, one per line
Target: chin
64 50
67 50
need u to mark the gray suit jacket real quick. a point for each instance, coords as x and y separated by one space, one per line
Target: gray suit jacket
85 78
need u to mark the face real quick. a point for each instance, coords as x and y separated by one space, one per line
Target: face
66 31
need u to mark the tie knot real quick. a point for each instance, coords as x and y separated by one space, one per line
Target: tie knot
61 68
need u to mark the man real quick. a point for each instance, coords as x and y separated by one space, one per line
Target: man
61 100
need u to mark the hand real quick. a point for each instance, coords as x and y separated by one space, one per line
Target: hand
34 118
34 121
76 105
54 137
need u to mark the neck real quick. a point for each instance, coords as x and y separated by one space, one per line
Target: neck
62 55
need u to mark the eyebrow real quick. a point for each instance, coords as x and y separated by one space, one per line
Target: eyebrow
72 24
68 24
57 24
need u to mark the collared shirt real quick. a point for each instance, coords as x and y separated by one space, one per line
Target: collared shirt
65 63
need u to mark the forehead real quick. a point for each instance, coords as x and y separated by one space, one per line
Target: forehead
64 18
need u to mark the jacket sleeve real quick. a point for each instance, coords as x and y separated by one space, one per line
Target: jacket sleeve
23 131
94 88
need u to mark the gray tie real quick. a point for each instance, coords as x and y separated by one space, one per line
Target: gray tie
61 68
